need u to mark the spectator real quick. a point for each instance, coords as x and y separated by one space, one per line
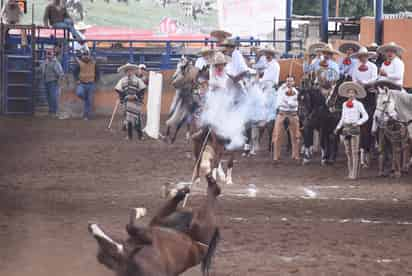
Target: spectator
52 73
56 15
143 74
11 13
87 74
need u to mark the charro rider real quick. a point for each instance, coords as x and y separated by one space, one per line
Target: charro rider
205 55
287 104
328 64
353 117
313 57
365 71
131 92
393 68
220 36
348 62
237 68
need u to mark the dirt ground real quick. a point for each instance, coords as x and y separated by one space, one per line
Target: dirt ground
56 176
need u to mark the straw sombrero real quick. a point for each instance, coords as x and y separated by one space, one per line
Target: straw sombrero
344 47
126 67
142 66
349 85
373 47
228 43
386 83
363 51
220 58
314 48
391 46
268 49
81 26
220 34
204 51
328 49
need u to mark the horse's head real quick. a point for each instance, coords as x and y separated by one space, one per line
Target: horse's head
385 104
183 73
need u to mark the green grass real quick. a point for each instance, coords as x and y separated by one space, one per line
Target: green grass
143 14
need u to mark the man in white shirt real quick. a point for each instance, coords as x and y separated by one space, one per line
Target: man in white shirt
348 63
237 68
393 68
271 73
205 55
365 71
287 105
353 117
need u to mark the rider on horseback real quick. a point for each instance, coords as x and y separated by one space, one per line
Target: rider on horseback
348 63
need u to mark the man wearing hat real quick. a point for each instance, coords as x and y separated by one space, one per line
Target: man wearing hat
203 60
131 92
353 117
87 74
81 45
237 68
143 74
393 68
313 57
347 63
287 105
218 78
328 63
270 78
220 36
365 71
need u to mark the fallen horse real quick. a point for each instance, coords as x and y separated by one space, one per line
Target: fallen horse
174 241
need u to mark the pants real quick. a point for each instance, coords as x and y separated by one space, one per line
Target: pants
52 93
85 91
352 154
68 24
293 131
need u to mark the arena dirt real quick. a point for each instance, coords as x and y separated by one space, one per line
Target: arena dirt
56 176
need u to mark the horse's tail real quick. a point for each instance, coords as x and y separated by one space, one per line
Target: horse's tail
211 251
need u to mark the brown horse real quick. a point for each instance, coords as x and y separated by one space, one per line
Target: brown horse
208 150
173 242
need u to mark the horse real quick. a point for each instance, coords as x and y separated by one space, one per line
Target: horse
315 114
392 123
182 107
174 241
208 150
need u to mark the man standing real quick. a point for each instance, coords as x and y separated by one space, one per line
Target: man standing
287 102
393 68
131 91
56 15
52 73
87 74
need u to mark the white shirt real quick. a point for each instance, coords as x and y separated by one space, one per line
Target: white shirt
355 115
200 63
217 82
287 103
395 71
271 73
261 64
237 65
366 76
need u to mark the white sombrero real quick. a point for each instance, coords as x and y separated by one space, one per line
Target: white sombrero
391 46
268 49
204 51
386 83
220 34
81 26
372 47
329 49
142 66
126 67
349 85
363 51
344 47
315 47
220 58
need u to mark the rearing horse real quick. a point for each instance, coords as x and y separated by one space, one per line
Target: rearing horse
173 242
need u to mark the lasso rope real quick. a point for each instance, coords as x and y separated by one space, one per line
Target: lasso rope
202 149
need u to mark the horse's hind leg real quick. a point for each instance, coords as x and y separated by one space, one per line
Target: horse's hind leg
229 180
106 243
170 206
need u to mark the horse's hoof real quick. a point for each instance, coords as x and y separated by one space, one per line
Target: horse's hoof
138 213
323 162
305 161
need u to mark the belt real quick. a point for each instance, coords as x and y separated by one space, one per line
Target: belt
288 112
86 82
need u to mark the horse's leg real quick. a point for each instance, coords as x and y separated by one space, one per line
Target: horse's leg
106 243
229 179
307 142
323 145
178 127
381 151
170 206
270 127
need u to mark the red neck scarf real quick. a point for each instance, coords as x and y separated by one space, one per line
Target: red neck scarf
324 63
347 61
387 62
290 92
363 68
349 104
